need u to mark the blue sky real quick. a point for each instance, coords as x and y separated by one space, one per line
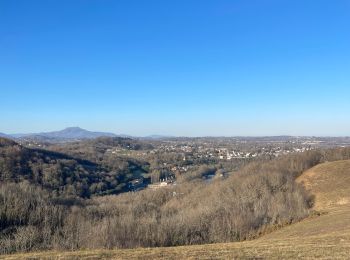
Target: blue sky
194 68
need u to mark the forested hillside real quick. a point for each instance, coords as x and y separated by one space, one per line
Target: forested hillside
65 175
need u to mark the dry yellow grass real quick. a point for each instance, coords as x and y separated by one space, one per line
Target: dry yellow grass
319 237
329 182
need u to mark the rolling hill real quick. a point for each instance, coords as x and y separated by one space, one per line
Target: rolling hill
329 182
324 235
4 135
63 173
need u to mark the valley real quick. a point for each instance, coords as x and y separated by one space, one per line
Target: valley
323 235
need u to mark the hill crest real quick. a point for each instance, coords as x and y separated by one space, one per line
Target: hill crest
329 182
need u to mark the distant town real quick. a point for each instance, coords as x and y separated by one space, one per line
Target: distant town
172 157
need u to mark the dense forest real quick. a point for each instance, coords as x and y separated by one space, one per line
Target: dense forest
53 200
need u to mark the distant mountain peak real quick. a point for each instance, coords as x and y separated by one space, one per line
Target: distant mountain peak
74 128
69 133
76 133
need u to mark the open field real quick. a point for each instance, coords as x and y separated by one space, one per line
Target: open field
322 236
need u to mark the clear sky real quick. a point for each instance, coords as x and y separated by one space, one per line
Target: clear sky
184 67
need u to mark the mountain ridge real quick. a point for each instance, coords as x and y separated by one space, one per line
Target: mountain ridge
69 133
5 135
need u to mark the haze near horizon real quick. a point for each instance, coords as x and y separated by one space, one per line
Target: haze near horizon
187 68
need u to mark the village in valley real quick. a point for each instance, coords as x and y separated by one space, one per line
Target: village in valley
171 158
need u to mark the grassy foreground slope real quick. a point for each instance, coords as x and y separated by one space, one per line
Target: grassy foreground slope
322 236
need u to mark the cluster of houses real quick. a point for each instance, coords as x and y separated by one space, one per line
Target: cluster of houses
163 183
